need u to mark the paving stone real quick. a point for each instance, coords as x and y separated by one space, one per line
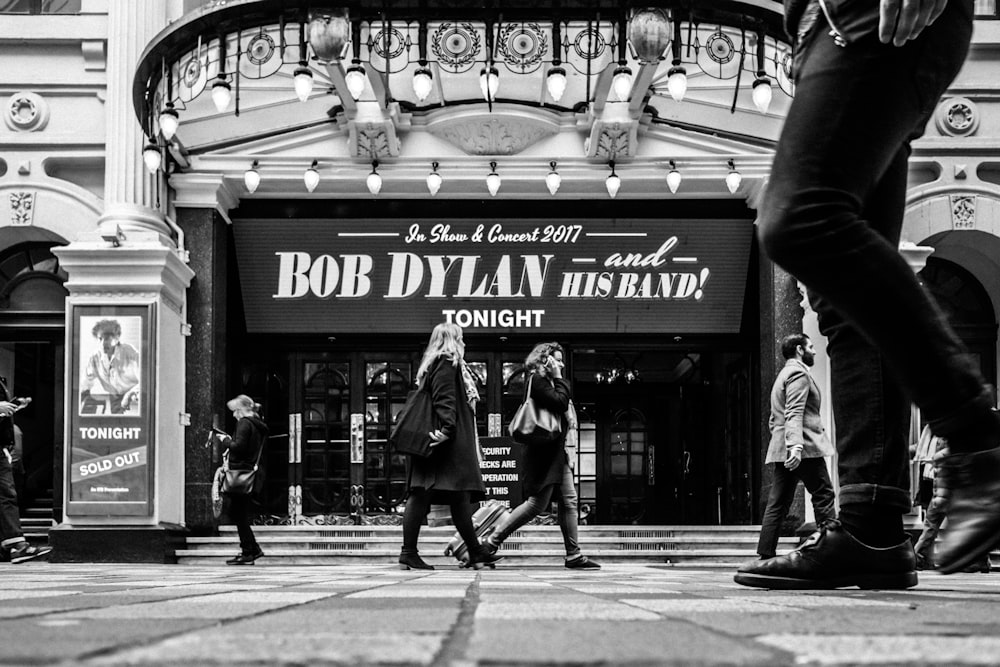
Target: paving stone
544 610
886 649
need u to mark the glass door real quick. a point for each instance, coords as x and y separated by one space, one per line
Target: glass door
325 437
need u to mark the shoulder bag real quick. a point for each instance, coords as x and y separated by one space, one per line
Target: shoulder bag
411 433
534 425
241 482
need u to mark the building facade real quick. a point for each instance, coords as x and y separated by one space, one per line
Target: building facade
251 198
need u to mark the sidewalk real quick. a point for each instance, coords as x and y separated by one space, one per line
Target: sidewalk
106 614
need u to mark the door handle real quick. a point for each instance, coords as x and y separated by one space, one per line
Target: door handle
687 463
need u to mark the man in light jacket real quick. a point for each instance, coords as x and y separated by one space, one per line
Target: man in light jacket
798 443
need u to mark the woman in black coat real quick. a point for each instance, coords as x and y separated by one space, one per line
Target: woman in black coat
451 474
546 469
245 448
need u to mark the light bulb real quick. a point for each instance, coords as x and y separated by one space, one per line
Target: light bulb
613 182
356 79
374 181
169 120
677 81
434 180
423 83
733 178
303 80
622 82
489 82
762 93
151 157
673 178
222 94
555 81
553 180
311 176
251 178
493 180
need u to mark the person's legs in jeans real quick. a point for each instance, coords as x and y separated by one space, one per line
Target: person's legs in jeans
933 518
783 484
239 512
569 514
10 521
461 516
521 515
816 478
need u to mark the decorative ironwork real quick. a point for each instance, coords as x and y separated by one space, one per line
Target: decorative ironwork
260 49
397 43
522 46
589 44
456 46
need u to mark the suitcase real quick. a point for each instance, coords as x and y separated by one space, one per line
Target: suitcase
484 521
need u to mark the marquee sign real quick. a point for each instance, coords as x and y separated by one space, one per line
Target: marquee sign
493 275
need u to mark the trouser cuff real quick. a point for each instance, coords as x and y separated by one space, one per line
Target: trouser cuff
12 541
888 497
968 413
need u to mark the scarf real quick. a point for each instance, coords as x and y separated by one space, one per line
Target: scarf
471 393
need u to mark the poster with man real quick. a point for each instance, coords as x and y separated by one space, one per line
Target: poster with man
110 365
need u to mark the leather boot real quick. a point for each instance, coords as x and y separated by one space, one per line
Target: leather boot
479 556
974 513
411 560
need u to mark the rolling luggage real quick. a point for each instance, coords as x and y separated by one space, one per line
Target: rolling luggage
484 520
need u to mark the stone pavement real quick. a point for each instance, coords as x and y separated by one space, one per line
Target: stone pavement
106 614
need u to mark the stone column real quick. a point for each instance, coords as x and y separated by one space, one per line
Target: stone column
130 191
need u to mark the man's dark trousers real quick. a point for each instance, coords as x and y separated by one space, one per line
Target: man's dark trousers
816 479
10 521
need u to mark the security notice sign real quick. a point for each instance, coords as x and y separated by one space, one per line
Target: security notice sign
494 275
109 472
501 462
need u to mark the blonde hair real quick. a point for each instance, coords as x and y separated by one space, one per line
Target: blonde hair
245 403
446 341
535 361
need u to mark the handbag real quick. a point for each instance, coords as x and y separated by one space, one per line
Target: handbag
241 482
533 425
411 433
220 474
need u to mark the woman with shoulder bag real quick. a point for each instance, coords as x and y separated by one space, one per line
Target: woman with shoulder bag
245 449
546 469
451 474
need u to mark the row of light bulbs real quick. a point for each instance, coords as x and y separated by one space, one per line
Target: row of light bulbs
311 178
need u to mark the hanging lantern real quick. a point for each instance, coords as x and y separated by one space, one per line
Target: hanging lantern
762 93
552 179
329 35
311 176
621 83
555 81
673 178
423 83
733 178
303 81
434 179
649 33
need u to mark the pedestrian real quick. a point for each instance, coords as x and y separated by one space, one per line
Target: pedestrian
798 443
546 470
451 474
244 451
12 542
832 217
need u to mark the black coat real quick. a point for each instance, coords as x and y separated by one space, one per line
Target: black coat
454 464
543 465
248 440
6 424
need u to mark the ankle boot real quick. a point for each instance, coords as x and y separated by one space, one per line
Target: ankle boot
479 555
411 560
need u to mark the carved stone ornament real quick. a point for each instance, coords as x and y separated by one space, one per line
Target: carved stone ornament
957 117
963 211
22 208
496 133
373 140
610 140
26 112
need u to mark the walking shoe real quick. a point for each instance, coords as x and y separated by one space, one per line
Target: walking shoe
924 563
833 558
973 527
412 561
581 562
245 559
25 552
480 556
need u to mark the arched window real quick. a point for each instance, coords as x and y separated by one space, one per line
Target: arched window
31 279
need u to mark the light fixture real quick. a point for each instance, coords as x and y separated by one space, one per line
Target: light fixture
423 82
762 92
622 82
733 178
489 82
555 82
552 179
649 33
222 93
677 81
673 178
493 180
329 35
613 182
434 179
169 120
303 79
356 78
311 176
115 237
251 178
152 157
374 181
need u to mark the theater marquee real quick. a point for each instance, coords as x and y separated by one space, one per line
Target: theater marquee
399 275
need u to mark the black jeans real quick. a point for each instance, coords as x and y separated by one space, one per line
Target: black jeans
239 514
10 519
816 479
417 506
832 217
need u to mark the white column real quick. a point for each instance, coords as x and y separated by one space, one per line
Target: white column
129 189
